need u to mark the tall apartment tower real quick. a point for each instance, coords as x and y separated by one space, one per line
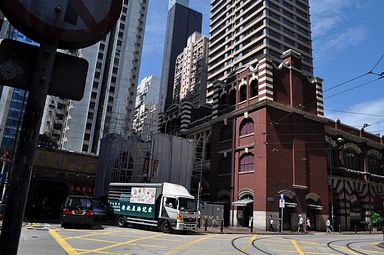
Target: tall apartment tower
108 105
147 107
13 101
242 31
181 23
190 82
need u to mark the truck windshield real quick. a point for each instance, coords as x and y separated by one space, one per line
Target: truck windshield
187 204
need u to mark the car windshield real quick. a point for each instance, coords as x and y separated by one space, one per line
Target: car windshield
98 204
79 202
187 204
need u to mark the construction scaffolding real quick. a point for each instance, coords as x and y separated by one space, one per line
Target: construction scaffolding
122 158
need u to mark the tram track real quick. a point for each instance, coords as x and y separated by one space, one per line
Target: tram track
233 243
348 246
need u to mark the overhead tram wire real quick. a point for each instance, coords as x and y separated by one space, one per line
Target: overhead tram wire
339 85
355 87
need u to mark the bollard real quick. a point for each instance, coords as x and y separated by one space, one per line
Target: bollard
251 226
355 229
222 226
340 228
205 224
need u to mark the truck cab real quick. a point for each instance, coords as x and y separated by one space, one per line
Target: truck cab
178 213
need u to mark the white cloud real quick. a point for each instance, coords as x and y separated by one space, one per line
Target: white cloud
331 30
371 113
350 37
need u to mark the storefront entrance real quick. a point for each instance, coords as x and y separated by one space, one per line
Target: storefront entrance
244 211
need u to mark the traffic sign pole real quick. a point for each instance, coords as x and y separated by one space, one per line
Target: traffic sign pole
21 171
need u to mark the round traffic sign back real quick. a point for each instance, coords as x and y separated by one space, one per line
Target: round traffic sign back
73 23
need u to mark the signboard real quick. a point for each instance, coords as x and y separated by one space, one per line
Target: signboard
17 63
143 195
140 203
282 203
73 23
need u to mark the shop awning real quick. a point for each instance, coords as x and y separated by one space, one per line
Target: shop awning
315 206
289 204
242 202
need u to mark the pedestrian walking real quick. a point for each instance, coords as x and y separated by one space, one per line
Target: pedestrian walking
307 225
329 227
270 223
301 224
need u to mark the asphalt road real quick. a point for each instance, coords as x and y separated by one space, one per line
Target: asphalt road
114 240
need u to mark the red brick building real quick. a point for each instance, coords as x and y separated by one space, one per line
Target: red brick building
268 136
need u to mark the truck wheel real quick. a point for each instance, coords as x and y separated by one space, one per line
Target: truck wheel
165 227
121 221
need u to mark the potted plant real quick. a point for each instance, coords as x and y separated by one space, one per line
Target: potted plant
377 221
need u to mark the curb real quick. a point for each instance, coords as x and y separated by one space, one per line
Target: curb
39 226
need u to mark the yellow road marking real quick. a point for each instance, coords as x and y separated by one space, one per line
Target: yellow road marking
188 244
119 244
68 249
250 240
348 250
96 240
88 235
121 235
284 251
105 252
327 253
311 243
169 240
297 247
370 251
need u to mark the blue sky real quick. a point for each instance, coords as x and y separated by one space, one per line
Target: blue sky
348 42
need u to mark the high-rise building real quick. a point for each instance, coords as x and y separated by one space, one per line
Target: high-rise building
146 112
181 23
12 100
190 81
108 105
243 31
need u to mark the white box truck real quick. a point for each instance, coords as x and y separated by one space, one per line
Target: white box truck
166 206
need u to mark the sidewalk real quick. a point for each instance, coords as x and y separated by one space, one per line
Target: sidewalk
245 230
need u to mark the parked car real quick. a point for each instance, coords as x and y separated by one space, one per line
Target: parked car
99 210
77 210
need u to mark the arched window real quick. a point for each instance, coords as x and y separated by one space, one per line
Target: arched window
351 159
223 100
232 97
254 86
374 165
246 127
243 93
246 162
226 133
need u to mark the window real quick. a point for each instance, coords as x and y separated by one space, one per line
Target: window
243 93
351 159
246 162
374 165
170 202
226 133
246 127
254 88
232 97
